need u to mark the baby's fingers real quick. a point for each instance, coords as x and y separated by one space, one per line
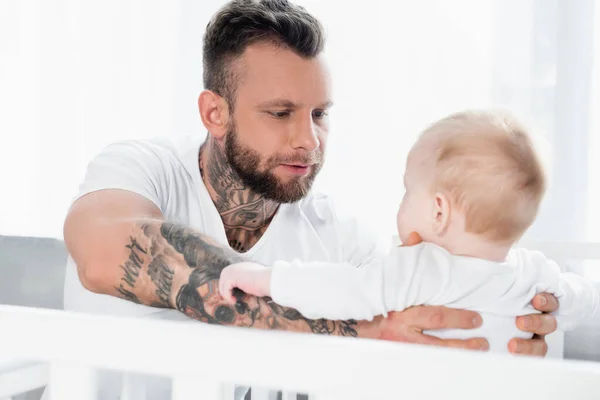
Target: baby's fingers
226 289
228 295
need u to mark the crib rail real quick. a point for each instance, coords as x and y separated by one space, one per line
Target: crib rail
202 359
562 252
557 251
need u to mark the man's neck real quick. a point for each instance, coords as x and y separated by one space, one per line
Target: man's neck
245 214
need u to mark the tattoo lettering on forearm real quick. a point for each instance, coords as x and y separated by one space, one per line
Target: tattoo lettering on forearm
162 276
133 265
131 270
127 294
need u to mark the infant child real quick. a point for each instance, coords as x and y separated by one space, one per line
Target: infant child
473 184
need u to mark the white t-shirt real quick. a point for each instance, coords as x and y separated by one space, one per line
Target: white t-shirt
167 173
427 274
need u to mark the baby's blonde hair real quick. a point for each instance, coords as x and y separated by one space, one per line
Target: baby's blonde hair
486 164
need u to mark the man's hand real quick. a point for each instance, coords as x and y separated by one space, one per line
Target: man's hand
408 326
538 324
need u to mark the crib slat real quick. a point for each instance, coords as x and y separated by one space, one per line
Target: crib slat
227 392
289 396
259 393
333 394
72 382
194 389
133 387
22 379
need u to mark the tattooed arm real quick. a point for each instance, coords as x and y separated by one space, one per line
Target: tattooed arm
123 247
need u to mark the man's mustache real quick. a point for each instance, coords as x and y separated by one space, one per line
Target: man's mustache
314 158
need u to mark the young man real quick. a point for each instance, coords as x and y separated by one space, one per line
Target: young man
156 221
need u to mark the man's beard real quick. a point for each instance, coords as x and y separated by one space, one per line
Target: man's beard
246 163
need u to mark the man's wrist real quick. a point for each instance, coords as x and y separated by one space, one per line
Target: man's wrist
370 329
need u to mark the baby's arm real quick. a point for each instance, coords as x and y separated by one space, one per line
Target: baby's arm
577 297
315 289
341 291
578 300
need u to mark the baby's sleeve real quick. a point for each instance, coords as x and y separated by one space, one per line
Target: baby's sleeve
337 291
578 301
577 296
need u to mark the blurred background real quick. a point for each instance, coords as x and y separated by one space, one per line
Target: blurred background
77 75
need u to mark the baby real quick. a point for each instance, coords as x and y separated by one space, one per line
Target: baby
473 186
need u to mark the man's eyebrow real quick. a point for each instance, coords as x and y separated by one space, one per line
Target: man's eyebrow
327 104
283 103
278 103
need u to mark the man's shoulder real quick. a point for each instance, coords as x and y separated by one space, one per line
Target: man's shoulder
162 145
159 153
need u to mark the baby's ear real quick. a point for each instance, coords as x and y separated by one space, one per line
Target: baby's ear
413 239
441 211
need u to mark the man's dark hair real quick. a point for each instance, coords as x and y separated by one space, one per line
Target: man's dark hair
241 23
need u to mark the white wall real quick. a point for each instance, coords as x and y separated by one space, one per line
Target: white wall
75 76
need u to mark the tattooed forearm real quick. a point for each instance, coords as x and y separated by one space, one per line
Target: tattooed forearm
162 276
127 294
199 297
132 266
131 270
170 265
321 326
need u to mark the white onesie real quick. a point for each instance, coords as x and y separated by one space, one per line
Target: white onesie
427 274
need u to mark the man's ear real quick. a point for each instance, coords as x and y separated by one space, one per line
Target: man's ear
441 214
214 112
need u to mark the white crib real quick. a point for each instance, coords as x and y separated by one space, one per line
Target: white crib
64 351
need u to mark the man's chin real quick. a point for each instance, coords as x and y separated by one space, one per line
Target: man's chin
290 192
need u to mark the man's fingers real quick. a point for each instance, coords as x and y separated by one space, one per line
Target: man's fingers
433 317
531 347
469 344
545 302
413 239
541 324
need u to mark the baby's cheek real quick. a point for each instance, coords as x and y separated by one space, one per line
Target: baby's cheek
404 234
403 228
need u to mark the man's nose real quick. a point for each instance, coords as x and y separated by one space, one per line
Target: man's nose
305 135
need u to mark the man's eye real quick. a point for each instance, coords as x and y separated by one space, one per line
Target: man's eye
319 113
279 114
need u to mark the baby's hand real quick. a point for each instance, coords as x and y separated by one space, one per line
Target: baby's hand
252 278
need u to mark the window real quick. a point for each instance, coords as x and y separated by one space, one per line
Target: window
71 82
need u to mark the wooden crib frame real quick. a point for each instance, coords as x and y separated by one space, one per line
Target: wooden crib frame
65 350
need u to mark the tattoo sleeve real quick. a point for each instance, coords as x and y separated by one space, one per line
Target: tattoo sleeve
172 266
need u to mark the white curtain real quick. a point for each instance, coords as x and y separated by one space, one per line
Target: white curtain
77 75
